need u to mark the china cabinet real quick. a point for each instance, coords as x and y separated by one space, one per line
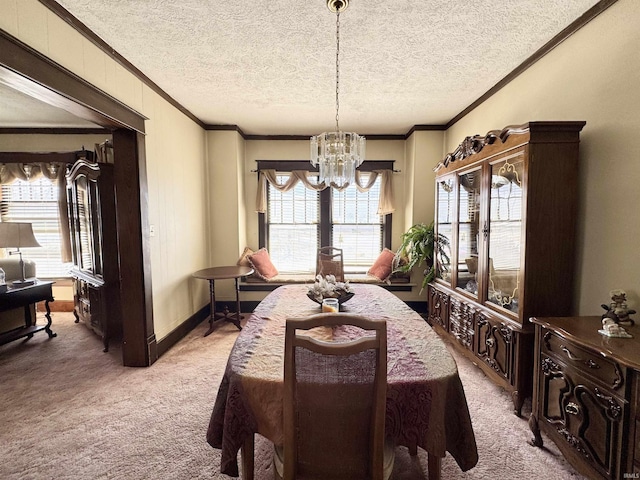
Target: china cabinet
585 395
95 271
507 204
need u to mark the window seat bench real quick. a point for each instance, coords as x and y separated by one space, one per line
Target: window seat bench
256 284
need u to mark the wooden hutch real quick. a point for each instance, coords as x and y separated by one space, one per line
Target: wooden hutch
586 393
507 204
94 246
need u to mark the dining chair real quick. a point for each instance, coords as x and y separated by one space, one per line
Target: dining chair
329 261
334 401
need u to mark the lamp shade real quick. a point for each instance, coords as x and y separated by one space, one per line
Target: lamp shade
17 235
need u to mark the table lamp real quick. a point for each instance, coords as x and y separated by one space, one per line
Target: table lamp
18 235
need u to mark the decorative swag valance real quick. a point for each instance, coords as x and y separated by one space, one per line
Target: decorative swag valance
54 171
385 203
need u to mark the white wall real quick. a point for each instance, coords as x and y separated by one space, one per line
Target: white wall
594 75
175 155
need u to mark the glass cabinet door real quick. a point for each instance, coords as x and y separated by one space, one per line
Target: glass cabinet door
505 232
444 224
84 233
468 230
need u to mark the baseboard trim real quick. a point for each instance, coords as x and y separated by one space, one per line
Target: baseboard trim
182 330
57 306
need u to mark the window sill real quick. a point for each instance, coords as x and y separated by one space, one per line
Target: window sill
256 284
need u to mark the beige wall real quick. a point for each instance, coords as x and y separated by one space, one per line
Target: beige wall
177 188
594 75
177 196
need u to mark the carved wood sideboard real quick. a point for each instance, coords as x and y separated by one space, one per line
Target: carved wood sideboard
586 390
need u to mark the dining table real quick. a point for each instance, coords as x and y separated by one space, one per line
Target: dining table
426 404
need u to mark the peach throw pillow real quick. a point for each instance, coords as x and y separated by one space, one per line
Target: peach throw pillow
383 265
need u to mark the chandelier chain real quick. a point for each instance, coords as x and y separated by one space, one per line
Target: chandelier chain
337 70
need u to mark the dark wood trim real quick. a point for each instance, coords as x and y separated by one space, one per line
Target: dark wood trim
387 221
183 330
81 28
324 225
225 128
53 131
289 165
262 230
422 128
580 22
139 345
34 74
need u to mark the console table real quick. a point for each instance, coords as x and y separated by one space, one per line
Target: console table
23 297
585 395
221 273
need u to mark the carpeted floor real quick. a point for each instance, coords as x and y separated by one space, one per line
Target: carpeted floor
69 411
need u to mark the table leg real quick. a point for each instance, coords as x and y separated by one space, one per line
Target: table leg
212 302
247 458
434 464
48 316
237 314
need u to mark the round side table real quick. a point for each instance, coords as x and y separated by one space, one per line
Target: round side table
222 273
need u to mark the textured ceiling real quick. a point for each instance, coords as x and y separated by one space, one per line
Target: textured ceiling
268 66
18 110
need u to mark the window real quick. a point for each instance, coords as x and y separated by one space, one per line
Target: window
293 228
36 202
301 220
356 226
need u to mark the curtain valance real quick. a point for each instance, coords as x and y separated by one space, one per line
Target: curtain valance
385 203
54 171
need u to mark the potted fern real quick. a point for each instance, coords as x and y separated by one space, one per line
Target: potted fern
419 246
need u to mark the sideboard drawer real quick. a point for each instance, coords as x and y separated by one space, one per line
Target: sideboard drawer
589 362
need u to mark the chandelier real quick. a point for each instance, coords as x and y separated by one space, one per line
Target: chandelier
337 154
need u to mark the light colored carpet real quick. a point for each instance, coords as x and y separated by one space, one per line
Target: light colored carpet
70 411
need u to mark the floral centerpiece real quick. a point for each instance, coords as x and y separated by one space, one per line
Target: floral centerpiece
328 287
